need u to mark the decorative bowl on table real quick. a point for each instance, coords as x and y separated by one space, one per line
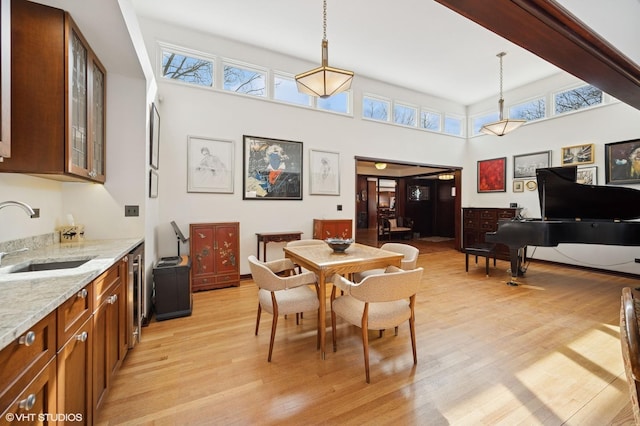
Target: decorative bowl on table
339 245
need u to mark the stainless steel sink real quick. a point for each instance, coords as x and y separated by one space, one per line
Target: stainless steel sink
50 266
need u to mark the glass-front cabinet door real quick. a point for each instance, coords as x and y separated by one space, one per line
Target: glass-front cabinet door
86 138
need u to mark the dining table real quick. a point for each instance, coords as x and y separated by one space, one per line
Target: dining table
325 262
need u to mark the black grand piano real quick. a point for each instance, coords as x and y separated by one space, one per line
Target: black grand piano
571 213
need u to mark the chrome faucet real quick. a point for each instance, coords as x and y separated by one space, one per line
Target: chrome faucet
24 206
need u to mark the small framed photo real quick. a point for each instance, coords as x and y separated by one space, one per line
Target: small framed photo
587 175
153 184
324 173
525 165
531 185
154 143
209 165
622 162
272 169
518 186
578 154
492 175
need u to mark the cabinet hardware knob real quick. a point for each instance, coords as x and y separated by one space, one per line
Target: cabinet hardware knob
82 294
28 402
113 299
93 174
82 337
28 338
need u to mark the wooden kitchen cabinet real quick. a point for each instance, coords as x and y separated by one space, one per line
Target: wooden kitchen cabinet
109 329
215 253
28 373
332 228
74 356
74 364
5 78
58 97
477 221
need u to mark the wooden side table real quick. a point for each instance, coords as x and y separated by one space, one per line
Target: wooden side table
274 237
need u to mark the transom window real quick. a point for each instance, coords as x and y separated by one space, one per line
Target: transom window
240 79
285 90
430 120
577 98
453 125
187 68
405 115
375 109
530 111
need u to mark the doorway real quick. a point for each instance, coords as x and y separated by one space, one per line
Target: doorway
424 196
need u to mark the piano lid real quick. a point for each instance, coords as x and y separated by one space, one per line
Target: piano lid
561 198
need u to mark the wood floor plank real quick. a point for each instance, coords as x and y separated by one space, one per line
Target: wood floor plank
546 352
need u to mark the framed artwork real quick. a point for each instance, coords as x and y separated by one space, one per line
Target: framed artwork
531 185
154 143
578 154
492 175
525 165
324 173
622 162
272 169
518 186
587 175
153 184
209 165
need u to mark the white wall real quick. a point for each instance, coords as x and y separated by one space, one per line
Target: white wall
206 113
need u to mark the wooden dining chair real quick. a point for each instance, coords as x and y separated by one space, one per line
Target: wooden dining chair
630 342
282 294
409 260
378 302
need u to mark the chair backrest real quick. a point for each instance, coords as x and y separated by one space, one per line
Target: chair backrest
630 342
409 252
387 286
297 243
263 276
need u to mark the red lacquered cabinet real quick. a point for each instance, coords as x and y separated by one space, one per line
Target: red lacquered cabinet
215 254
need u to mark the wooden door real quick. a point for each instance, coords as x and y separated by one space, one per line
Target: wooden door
226 249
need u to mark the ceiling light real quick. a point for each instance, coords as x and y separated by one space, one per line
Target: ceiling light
324 81
445 176
381 166
503 125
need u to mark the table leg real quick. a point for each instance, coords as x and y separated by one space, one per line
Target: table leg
258 249
322 317
264 249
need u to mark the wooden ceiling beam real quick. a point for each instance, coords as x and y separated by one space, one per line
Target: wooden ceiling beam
551 32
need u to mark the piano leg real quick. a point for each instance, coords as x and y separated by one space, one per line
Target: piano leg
516 262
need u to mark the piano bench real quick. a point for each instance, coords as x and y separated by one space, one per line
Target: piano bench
485 250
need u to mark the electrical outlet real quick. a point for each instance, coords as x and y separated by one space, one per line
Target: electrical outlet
339 207
131 211
36 214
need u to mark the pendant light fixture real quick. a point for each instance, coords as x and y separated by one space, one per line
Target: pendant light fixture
324 81
503 125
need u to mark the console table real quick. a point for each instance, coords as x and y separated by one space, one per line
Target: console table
274 237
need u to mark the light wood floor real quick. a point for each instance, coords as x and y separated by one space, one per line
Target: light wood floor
544 353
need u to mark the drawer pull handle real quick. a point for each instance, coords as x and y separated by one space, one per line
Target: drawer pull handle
113 299
28 338
28 402
82 294
82 337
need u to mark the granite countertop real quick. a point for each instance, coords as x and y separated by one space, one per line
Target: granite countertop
28 297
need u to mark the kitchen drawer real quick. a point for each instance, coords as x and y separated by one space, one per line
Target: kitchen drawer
104 283
73 313
26 359
38 393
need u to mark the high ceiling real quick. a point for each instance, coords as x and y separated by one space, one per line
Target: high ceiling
417 44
